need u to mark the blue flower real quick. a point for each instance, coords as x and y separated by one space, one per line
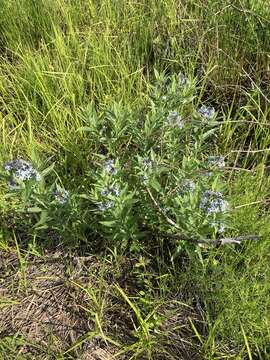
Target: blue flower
110 167
22 170
61 195
217 161
175 119
12 185
105 192
112 190
219 225
212 202
187 186
147 162
106 205
206 112
145 179
115 191
182 80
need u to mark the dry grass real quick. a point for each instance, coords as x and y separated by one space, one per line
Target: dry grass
56 302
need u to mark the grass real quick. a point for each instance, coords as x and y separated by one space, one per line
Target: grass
76 85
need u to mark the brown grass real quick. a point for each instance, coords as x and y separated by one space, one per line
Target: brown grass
46 301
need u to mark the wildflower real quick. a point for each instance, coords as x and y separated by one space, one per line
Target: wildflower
22 170
147 162
219 225
106 205
187 186
145 179
217 161
206 112
182 79
61 195
109 167
113 190
105 192
164 98
212 202
221 228
12 185
174 119
208 173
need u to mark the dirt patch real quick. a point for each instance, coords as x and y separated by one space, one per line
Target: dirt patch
62 305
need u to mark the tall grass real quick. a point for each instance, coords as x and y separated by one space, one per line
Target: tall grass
63 62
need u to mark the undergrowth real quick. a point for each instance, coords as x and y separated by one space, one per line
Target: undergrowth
140 130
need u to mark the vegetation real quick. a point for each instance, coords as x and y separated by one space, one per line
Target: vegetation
134 140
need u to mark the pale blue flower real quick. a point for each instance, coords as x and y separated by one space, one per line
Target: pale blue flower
112 190
61 195
103 206
105 192
212 202
147 162
217 161
219 225
188 186
145 179
12 185
175 119
22 170
115 191
182 79
206 112
110 167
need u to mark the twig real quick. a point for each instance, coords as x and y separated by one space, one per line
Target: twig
246 122
169 221
237 169
236 240
264 201
221 241
249 151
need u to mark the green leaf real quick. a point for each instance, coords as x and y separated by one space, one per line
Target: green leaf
41 224
108 223
34 209
84 128
155 184
46 171
208 133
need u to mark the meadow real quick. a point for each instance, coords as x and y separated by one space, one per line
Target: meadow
134 179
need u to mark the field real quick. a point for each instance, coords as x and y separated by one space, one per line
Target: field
134 179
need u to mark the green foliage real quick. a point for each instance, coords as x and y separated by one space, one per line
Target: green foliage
105 96
160 149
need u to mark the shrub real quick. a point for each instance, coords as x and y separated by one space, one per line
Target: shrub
152 171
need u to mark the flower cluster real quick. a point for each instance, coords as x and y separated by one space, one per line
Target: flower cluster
175 119
108 192
110 167
217 161
12 185
206 112
61 195
187 186
219 225
182 79
112 190
21 170
103 206
212 202
147 162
